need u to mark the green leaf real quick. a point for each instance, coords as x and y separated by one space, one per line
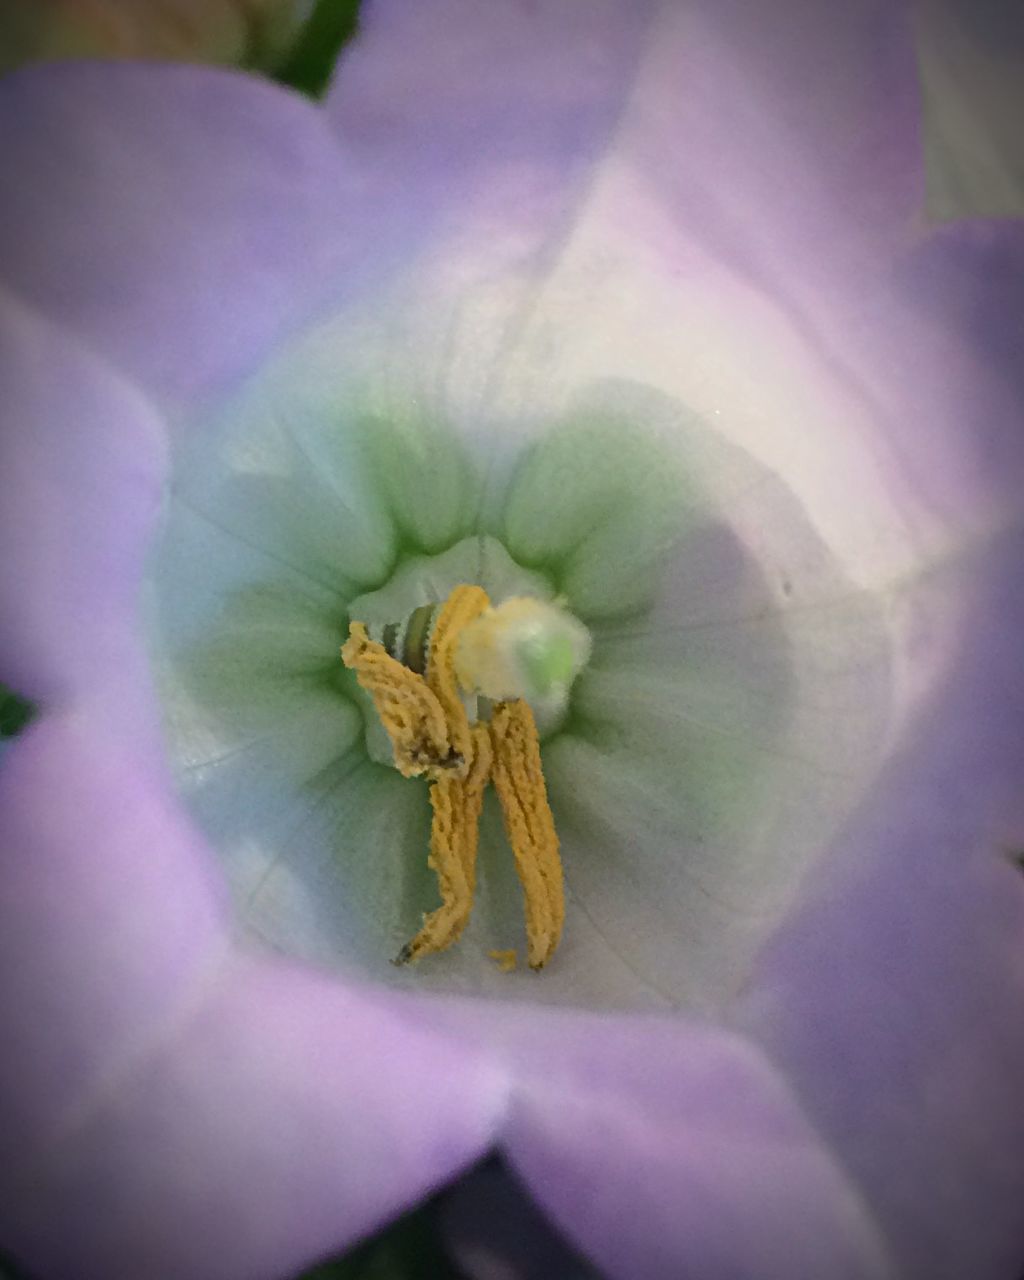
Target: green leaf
309 65
409 1249
10 1270
15 713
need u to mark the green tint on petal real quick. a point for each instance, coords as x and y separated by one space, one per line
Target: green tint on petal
597 503
420 580
292 498
268 746
345 879
423 474
716 744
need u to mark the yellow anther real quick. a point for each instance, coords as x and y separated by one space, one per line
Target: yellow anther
430 732
409 710
505 960
465 604
454 830
529 825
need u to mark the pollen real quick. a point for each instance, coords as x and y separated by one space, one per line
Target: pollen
474 649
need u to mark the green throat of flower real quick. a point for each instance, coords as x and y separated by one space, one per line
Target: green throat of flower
638 675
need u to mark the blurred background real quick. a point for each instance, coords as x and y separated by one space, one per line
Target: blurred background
241 32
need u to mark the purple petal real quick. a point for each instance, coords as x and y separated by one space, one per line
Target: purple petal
110 911
893 998
82 458
784 142
739 151
495 116
507 111
179 219
815 110
180 1109
665 1148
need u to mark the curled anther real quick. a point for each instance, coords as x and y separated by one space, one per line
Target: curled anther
408 709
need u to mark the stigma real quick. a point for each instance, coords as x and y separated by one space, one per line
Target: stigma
453 685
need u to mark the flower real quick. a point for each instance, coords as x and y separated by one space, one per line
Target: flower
764 1057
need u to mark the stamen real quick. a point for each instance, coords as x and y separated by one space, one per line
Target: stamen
463 605
414 719
426 721
454 831
529 825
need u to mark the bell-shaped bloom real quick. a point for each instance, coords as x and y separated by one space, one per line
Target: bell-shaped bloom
632 305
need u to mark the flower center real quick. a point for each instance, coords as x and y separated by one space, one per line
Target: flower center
426 676
727 718
525 656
